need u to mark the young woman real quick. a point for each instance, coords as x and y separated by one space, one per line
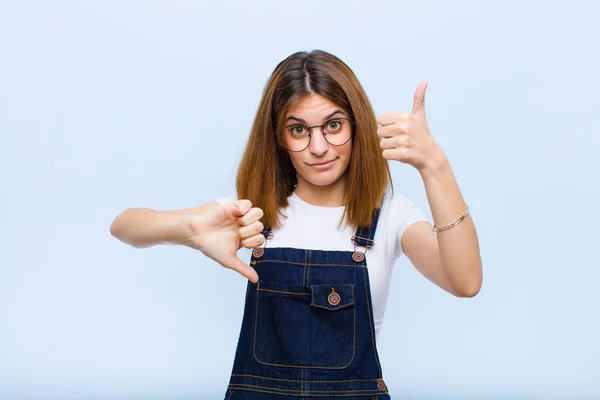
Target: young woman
315 202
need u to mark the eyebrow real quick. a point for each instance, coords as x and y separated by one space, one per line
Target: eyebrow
324 119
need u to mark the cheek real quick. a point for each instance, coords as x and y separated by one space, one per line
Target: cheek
294 157
345 152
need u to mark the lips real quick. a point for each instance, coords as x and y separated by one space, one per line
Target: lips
320 164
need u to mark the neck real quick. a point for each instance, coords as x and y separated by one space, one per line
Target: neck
323 196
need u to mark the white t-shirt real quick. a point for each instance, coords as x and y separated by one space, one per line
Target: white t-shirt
315 227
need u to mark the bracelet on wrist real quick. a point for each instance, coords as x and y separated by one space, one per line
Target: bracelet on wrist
453 223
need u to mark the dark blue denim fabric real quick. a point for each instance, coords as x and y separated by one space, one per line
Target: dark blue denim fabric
308 329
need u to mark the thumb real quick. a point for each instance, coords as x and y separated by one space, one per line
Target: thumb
238 265
419 100
233 209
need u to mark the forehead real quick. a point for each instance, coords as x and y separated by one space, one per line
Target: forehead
312 107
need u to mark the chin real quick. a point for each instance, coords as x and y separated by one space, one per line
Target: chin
323 179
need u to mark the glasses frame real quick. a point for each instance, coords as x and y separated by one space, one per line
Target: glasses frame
310 128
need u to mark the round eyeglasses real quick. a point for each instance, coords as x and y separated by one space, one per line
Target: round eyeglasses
336 131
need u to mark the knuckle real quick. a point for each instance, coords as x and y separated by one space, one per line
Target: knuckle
252 242
246 204
256 228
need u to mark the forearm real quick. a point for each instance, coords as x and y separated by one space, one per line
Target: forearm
142 227
459 246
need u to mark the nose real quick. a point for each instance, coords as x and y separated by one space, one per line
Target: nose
318 145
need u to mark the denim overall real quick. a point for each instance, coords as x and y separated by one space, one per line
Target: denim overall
308 330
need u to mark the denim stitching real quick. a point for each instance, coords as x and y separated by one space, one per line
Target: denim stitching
308 268
314 265
313 392
370 322
280 291
303 366
304 272
334 307
298 380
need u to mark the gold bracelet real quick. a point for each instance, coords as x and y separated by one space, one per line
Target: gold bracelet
452 224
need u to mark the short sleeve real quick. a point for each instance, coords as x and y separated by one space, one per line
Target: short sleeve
406 213
226 199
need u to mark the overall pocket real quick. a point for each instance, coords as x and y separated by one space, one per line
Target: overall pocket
299 326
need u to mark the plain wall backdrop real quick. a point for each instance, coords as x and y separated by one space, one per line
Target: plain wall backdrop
107 105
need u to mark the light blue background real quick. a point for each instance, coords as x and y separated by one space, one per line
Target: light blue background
108 105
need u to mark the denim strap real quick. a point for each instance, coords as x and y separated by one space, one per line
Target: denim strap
364 235
266 232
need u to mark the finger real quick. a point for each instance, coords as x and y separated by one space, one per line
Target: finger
397 153
391 118
395 142
386 132
253 229
251 216
390 154
385 144
241 207
253 241
419 100
392 130
238 265
388 144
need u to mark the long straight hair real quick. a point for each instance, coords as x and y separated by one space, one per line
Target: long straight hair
266 175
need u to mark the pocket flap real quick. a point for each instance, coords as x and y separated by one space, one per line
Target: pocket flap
332 296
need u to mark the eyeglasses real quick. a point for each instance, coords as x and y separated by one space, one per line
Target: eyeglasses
337 132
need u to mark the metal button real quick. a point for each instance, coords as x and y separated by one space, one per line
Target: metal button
358 256
258 252
381 385
333 298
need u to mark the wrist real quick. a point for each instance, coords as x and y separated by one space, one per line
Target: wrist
183 233
437 164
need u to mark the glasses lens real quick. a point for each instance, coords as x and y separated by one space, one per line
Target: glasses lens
337 131
296 137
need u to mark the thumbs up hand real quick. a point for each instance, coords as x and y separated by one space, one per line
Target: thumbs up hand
406 137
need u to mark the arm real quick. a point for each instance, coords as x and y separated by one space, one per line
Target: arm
217 231
450 258
142 227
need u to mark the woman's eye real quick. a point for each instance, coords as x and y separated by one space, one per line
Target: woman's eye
298 130
334 125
